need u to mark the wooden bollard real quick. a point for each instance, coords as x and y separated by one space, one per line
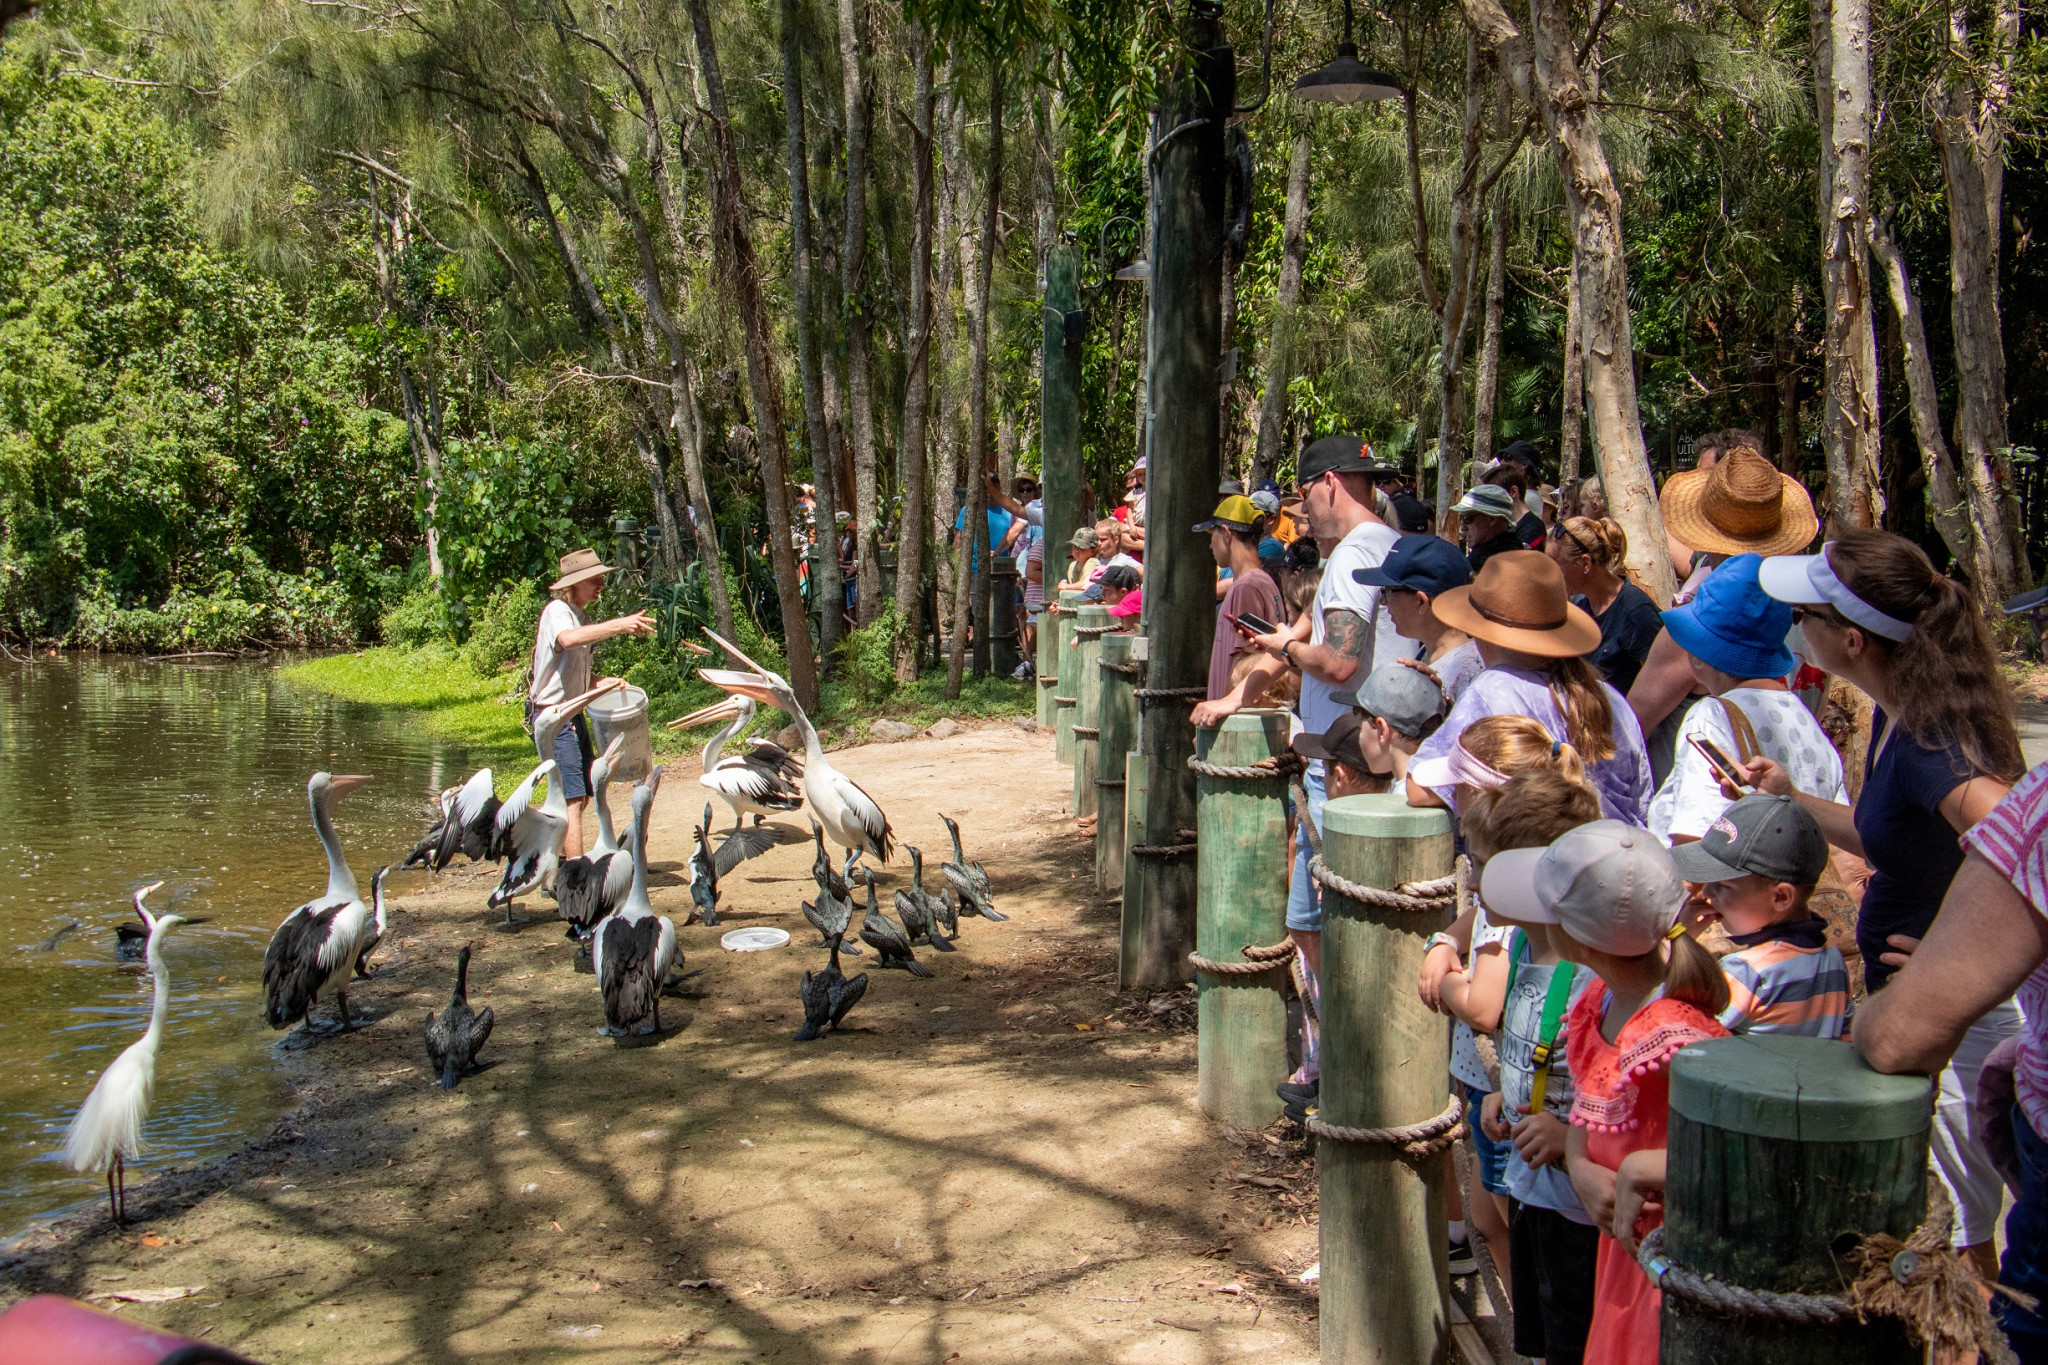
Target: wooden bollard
1130 942
1063 694
1047 663
1116 727
1778 1147
1240 901
1093 622
1384 1065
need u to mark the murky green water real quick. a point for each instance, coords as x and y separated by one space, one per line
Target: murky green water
118 773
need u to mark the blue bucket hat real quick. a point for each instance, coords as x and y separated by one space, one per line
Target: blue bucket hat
1733 624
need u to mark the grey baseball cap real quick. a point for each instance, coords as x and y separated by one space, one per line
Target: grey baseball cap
1405 697
1611 886
1489 498
1771 836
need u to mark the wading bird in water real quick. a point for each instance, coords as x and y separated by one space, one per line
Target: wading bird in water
635 947
317 944
532 844
108 1128
457 1034
853 819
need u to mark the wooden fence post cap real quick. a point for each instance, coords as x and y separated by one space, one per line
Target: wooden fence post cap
1250 721
1070 597
1387 816
1116 647
1796 1089
1093 614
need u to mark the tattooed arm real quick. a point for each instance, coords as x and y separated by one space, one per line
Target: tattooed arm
1336 659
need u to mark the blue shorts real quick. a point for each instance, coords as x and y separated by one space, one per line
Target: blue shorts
1493 1156
573 755
1304 897
2025 1265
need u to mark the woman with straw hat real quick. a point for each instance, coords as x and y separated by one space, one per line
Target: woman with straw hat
1535 644
1741 504
561 669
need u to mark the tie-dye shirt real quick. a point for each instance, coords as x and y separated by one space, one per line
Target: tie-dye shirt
2014 839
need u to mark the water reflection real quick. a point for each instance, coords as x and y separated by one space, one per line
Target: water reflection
117 773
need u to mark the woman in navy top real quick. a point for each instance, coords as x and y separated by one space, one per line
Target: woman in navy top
1943 752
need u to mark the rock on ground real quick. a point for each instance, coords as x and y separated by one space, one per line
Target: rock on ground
945 729
891 730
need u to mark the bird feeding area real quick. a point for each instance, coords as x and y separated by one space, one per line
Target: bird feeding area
120 773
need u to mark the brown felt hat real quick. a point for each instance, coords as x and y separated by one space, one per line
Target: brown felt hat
576 566
1519 602
1743 505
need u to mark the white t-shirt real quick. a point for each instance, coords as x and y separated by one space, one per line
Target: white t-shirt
1457 669
564 673
1690 799
1364 548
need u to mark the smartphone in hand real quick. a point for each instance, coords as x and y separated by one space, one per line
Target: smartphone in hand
1252 624
1724 767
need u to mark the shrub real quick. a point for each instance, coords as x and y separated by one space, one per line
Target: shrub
866 660
502 630
415 619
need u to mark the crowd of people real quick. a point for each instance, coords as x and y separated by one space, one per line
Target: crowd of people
1668 846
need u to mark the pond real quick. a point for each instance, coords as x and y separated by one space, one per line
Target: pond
116 773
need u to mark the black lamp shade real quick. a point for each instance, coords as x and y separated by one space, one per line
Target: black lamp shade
1346 81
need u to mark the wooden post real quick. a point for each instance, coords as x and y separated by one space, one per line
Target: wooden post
1131 941
1240 901
1385 1063
1778 1146
1003 613
1063 695
1059 388
1117 727
1089 628
1047 663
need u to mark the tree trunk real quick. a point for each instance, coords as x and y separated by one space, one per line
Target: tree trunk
1455 308
975 533
1571 433
1841 32
852 275
743 284
803 286
1286 312
1969 130
1487 386
910 536
1548 78
384 234
953 164
1945 503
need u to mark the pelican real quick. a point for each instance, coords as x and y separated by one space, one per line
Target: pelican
848 814
635 946
468 825
457 1034
704 871
969 882
532 839
373 935
881 933
316 945
919 909
591 886
108 1128
760 781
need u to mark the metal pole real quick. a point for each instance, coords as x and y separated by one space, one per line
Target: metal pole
1188 172
1089 628
1116 732
1059 403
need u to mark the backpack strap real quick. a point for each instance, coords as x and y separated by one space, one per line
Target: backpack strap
1746 746
1555 1001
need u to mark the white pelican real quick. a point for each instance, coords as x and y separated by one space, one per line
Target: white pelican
532 838
635 947
848 814
589 887
457 1034
468 825
108 1128
758 782
317 943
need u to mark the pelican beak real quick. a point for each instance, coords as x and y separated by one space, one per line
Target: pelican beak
734 650
755 685
577 703
653 782
342 785
718 710
695 648
611 750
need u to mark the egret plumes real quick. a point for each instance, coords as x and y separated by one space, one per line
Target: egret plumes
108 1127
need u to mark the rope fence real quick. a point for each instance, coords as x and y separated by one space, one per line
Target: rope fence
1415 1140
1279 766
1092 632
1129 669
1086 732
1421 898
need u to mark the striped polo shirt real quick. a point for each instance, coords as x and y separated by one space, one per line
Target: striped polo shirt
1786 979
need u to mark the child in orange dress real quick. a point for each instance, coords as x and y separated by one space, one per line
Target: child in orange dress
1615 900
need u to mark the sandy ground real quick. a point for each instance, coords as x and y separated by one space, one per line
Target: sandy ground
1002 1163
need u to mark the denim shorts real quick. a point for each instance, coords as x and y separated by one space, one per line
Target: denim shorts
1493 1156
573 754
2025 1266
1304 897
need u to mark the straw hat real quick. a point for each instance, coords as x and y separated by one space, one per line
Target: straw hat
1518 602
576 566
1743 505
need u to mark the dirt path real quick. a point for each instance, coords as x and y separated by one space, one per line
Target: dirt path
1004 1163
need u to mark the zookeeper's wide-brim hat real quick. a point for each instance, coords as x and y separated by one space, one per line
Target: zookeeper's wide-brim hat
1519 602
578 565
1743 505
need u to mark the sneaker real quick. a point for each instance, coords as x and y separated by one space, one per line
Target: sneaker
1462 1261
1298 1091
1299 1110
1023 673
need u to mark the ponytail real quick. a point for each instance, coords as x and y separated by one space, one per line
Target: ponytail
1582 700
1692 974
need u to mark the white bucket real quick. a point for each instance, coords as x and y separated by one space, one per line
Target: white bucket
622 712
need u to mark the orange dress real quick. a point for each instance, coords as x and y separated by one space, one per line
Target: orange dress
1623 1103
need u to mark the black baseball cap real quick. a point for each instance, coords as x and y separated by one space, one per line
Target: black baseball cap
1338 744
1771 836
1340 455
1428 564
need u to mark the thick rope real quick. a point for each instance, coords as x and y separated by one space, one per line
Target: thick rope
1272 958
1415 1139
1109 781
1128 669
1404 898
1062 701
1048 679
1278 766
1731 1300
1086 732
1161 850
1092 632
1200 693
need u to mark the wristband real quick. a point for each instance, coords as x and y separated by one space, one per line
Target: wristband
1285 657
1441 940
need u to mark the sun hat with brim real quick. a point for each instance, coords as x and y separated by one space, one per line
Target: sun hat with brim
1611 886
1488 499
578 566
1734 625
1743 505
1519 602
1234 513
1811 581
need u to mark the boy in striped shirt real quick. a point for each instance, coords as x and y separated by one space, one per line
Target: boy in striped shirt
1759 863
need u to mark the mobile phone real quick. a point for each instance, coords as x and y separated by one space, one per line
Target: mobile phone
1723 766
1257 625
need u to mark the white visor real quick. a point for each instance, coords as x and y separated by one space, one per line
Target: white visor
1810 580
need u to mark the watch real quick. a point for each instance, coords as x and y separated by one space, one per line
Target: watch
1285 657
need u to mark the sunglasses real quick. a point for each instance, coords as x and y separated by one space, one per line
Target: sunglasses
1560 532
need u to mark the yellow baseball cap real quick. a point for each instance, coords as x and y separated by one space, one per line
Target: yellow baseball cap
1235 513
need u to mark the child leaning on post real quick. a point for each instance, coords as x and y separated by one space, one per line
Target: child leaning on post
1555 1245
1614 901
